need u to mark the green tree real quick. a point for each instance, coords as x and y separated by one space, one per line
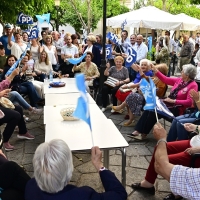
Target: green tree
9 9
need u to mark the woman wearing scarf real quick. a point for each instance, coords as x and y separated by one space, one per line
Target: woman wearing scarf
179 95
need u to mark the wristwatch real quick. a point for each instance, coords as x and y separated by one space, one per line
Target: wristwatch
102 169
197 129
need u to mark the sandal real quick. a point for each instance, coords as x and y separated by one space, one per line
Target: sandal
128 123
137 186
171 196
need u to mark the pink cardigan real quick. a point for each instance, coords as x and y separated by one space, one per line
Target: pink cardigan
183 96
4 85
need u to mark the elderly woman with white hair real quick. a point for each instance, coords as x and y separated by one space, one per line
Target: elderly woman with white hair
53 168
179 95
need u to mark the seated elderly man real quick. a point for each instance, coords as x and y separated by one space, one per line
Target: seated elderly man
184 181
53 168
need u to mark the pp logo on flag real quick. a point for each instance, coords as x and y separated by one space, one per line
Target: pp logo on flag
24 19
112 37
108 51
132 57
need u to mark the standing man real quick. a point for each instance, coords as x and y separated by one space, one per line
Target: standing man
62 34
68 51
58 43
186 51
43 34
172 50
4 38
125 41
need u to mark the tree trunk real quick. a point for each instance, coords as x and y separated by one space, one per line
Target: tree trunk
164 5
89 16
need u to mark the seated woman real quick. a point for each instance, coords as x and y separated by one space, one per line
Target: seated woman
89 69
53 168
179 95
19 84
16 98
135 100
118 72
29 74
177 130
145 70
43 66
12 118
179 153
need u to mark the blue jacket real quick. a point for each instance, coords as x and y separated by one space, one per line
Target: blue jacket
113 190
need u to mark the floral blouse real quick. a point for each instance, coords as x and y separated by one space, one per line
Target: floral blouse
91 71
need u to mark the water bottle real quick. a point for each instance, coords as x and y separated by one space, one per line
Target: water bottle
51 76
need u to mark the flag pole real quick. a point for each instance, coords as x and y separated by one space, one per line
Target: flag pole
156 115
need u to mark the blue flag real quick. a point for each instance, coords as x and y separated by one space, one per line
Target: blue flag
113 38
123 24
34 33
43 18
132 57
82 109
14 66
24 19
75 61
149 94
108 51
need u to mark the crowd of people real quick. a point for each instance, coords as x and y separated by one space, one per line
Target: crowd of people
50 54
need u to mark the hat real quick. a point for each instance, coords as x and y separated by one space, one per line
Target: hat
7 26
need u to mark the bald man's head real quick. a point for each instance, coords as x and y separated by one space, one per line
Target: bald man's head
139 39
185 38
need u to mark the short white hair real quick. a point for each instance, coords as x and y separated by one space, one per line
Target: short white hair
53 166
145 60
190 70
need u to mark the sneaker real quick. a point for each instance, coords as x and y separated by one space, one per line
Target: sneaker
112 111
103 109
27 136
36 111
8 146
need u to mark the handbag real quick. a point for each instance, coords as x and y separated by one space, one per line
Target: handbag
111 81
6 103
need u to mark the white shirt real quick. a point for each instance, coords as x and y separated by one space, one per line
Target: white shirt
172 46
17 50
51 54
141 50
89 49
125 44
72 50
191 40
34 52
197 57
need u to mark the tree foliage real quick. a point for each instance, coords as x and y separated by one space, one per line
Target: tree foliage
9 9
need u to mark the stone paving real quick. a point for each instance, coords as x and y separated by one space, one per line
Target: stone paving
138 157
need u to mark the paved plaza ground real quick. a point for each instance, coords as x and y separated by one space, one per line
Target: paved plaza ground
138 157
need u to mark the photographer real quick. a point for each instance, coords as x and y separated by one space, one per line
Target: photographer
162 51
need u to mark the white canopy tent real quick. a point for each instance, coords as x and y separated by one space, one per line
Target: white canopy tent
189 23
146 17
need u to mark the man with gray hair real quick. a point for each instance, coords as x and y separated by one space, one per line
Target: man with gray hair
186 51
53 168
58 43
